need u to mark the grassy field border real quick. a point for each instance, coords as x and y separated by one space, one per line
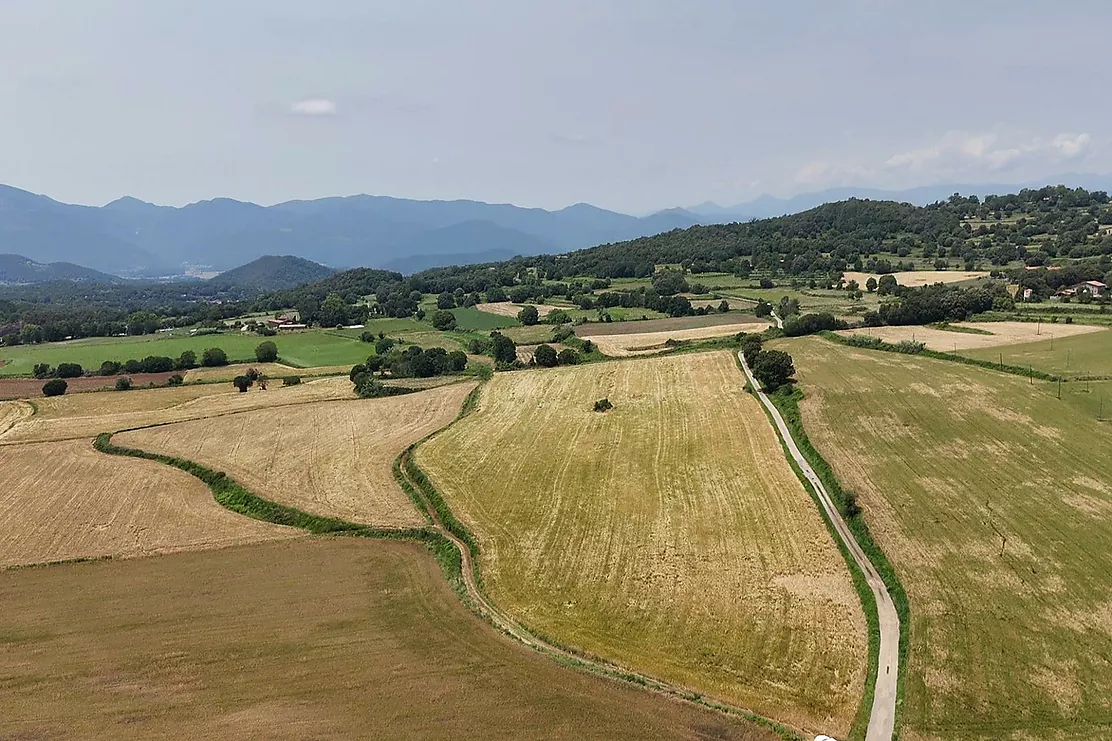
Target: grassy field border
788 406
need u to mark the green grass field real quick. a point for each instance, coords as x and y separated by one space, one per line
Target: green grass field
304 349
471 319
1080 355
668 535
993 500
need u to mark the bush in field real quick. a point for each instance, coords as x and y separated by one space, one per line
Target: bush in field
529 315
811 324
69 370
186 360
214 357
557 317
479 346
567 356
763 308
446 300
109 368
562 333
266 352
132 366
367 336
502 348
42 370
291 381
242 383
123 383
54 387
724 306
773 368
603 405
443 320
175 380
383 345
545 356
156 364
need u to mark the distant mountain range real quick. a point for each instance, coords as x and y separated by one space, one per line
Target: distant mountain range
129 237
768 206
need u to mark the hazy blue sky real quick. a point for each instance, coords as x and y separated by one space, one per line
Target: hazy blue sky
630 104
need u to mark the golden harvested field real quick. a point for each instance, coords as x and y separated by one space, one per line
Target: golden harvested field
86 415
505 308
625 345
65 500
993 500
328 458
915 278
12 412
273 371
1003 333
668 324
668 535
318 638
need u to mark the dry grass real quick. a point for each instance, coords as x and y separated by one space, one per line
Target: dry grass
13 412
625 345
668 535
505 308
915 278
319 638
1003 333
328 458
65 500
643 326
273 371
86 415
1009 639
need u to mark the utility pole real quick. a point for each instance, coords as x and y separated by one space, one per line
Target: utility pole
1059 388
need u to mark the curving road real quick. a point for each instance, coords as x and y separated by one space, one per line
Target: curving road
882 718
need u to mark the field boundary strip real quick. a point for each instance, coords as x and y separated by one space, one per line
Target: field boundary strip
788 406
451 553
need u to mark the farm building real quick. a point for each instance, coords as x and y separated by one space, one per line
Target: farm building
1093 288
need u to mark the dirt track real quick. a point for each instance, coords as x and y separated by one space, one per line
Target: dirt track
882 717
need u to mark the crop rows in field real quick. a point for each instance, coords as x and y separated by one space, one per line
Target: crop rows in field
668 535
993 500
329 458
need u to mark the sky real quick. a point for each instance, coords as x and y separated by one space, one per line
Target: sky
634 105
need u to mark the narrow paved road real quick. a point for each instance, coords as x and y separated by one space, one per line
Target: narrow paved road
882 718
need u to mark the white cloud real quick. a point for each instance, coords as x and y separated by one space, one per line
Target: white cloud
314 107
986 152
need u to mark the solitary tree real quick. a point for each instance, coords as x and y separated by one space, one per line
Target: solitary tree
42 370
213 357
446 301
545 356
266 352
502 348
773 368
443 320
123 383
886 285
54 387
187 360
870 284
69 370
529 315
724 306
242 383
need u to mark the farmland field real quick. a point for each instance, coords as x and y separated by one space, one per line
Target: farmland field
306 349
505 308
661 325
273 371
625 345
915 278
86 415
1001 333
329 458
315 638
993 500
1087 354
65 500
668 535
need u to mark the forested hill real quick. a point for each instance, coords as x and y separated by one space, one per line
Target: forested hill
1032 226
19 270
273 273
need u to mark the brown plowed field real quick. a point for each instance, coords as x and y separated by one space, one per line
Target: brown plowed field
329 458
318 638
65 500
668 535
86 415
31 388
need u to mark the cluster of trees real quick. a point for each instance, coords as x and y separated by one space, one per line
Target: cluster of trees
412 362
546 356
212 357
773 369
937 303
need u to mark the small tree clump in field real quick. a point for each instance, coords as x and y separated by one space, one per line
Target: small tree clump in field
109 368
214 357
567 356
266 352
603 405
724 306
763 308
175 380
546 356
123 383
443 320
42 370
54 387
773 368
242 383
69 370
502 348
529 315
291 380
187 360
